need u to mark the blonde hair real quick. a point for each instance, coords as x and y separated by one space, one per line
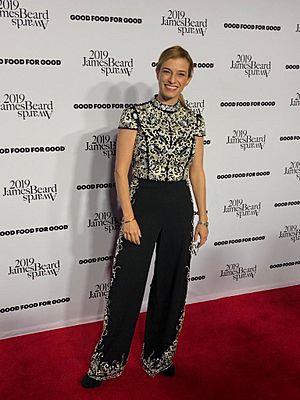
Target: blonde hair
176 52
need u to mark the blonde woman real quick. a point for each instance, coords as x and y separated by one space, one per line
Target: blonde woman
161 142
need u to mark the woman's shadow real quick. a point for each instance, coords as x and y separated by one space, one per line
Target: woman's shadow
93 214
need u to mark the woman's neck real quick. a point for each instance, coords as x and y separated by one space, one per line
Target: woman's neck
169 102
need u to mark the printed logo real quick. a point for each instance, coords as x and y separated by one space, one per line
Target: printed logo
287 203
293 169
196 106
30 61
30 230
205 65
291 232
101 106
21 17
104 220
285 264
28 150
101 290
108 65
287 138
259 27
183 23
292 66
245 141
196 278
34 269
96 186
95 259
26 108
29 306
256 103
242 209
103 144
28 191
295 101
106 19
243 175
239 240
238 272
244 62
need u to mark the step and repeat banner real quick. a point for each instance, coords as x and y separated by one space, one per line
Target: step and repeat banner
68 69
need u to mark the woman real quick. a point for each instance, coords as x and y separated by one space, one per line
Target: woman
162 140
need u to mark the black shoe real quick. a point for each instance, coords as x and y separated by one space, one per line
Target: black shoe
89 383
169 371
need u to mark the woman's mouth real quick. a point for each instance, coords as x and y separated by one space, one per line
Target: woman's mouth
169 87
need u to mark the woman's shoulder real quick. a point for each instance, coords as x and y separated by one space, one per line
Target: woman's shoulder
196 120
191 114
134 110
131 114
138 106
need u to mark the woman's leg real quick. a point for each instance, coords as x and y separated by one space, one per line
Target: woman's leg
168 291
129 276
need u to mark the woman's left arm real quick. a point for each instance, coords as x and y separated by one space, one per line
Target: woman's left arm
197 178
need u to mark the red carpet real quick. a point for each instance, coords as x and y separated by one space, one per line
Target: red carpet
238 348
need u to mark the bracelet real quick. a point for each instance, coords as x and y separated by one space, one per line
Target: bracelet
202 222
129 220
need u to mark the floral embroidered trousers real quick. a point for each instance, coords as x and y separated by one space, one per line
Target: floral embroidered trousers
164 212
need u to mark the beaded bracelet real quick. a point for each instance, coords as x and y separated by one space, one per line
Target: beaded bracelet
202 222
129 220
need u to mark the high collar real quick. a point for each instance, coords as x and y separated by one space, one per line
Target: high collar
165 107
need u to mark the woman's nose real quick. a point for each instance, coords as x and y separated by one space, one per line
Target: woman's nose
172 78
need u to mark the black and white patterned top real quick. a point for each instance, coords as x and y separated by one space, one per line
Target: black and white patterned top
165 140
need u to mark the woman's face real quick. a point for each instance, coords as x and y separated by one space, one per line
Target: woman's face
172 79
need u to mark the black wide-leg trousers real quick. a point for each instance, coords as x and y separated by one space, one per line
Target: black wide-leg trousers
164 212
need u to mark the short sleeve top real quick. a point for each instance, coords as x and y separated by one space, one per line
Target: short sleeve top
165 141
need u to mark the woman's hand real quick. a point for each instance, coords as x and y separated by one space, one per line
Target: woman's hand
132 232
202 231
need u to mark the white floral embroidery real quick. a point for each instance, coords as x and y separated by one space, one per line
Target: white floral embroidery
152 366
165 141
101 370
192 248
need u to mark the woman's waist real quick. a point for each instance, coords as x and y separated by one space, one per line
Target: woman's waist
153 186
160 182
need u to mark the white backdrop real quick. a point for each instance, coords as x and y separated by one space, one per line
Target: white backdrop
67 70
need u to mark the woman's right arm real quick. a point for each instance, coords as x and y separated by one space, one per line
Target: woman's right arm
124 152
